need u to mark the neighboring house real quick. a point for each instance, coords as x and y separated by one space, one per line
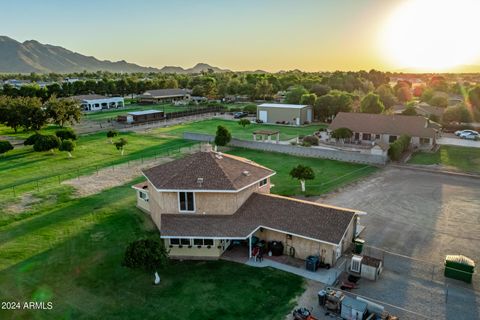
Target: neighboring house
165 96
205 201
383 128
141 116
422 109
293 114
95 102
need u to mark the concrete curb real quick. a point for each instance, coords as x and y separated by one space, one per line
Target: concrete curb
446 172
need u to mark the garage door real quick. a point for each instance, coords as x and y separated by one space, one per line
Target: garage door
262 115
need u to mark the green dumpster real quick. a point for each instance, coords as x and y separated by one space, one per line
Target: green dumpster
459 267
359 245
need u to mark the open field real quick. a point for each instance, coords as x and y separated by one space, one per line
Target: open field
329 174
237 131
71 255
451 157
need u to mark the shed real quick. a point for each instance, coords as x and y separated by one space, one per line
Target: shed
141 116
353 309
459 267
371 268
292 114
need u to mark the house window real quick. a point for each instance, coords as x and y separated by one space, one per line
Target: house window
185 241
263 182
186 201
424 140
367 136
143 195
203 242
392 139
377 136
198 242
174 242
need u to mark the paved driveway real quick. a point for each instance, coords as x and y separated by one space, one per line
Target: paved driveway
453 140
419 214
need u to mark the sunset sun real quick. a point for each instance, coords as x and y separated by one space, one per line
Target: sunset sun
431 35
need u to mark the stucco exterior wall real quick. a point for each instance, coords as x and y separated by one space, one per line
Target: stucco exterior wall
193 252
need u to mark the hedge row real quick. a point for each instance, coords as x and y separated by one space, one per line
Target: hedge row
398 147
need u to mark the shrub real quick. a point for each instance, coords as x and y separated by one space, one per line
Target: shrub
250 108
342 133
223 136
312 140
46 143
398 147
5 146
145 254
66 134
244 122
67 146
30 141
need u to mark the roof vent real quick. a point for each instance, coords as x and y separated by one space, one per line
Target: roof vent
200 181
246 173
218 156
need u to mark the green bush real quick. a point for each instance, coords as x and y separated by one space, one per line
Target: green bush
46 143
250 108
398 147
145 254
66 134
5 146
342 133
223 136
312 140
30 141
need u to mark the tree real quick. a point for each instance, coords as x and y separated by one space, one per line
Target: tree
66 134
371 104
294 94
223 136
263 89
342 133
404 94
320 89
244 122
439 100
250 108
67 146
474 97
30 141
46 143
63 111
308 99
409 111
329 105
302 173
457 114
145 254
111 134
385 92
5 146
120 145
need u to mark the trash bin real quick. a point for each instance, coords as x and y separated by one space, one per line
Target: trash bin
322 295
359 245
311 263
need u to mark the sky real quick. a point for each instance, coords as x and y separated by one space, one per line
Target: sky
311 35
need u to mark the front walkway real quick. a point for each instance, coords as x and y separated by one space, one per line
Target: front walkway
285 263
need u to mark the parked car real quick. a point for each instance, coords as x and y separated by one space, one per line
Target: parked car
460 132
470 136
238 115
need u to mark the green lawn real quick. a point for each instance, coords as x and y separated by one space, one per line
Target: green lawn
210 127
329 174
458 158
71 255
109 114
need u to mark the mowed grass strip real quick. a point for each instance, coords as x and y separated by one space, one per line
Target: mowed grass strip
72 256
459 158
329 174
237 131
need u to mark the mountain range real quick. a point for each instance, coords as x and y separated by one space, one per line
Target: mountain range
33 56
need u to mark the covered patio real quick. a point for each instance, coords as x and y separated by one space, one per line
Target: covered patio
266 134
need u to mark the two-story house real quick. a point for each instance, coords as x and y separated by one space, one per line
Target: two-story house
204 201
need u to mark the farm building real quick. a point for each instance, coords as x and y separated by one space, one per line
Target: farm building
142 116
293 114
165 96
95 102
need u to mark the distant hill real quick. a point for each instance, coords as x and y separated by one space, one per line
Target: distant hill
456 69
33 56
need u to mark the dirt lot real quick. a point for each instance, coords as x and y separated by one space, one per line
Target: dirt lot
425 216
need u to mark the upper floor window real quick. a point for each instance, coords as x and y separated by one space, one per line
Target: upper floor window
186 201
392 139
143 195
263 182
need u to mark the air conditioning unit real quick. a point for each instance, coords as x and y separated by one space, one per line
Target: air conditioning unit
356 264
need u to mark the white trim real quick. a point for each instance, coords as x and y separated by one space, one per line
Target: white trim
194 202
209 191
140 189
196 237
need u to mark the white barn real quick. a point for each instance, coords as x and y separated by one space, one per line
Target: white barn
94 102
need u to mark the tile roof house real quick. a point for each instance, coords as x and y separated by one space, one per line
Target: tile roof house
205 201
387 128
96 102
165 95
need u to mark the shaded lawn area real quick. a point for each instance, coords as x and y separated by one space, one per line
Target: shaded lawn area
71 255
459 158
329 174
22 134
237 131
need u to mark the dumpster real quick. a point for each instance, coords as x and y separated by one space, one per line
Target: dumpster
359 245
459 267
311 263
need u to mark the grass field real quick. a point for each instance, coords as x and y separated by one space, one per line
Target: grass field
71 256
109 114
458 158
237 131
329 174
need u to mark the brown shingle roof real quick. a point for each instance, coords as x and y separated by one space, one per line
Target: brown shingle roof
218 172
88 97
414 126
307 219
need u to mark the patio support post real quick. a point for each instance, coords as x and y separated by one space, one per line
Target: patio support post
250 247
269 138
278 136
254 137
